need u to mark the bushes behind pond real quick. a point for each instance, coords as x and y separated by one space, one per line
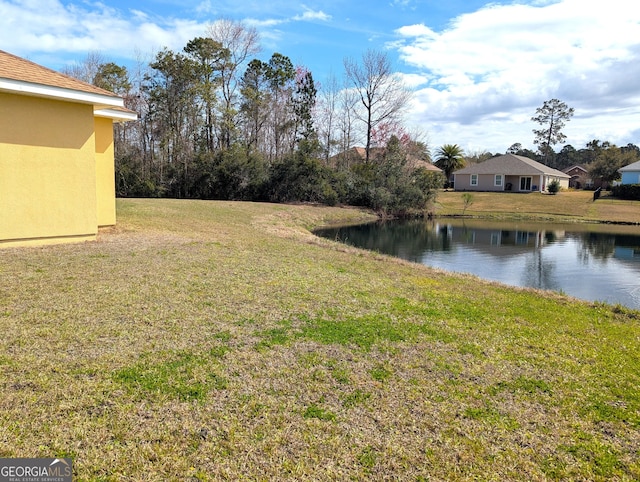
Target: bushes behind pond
627 191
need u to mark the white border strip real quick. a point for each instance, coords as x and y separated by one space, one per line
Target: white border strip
41 90
115 114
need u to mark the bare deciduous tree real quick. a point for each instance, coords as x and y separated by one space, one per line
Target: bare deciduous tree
241 42
87 69
348 101
326 115
382 94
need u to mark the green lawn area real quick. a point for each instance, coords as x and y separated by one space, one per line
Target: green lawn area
206 340
575 206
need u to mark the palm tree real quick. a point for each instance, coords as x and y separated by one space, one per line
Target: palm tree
449 158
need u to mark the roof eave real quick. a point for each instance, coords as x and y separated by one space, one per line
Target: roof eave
59 93
635 166
118 115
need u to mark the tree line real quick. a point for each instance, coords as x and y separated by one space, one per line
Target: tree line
217 123
601 159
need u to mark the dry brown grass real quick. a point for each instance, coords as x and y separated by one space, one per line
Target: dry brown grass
222 341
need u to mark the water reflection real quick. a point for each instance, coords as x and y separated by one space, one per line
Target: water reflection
592 265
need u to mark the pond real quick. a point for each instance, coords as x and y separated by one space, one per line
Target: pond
591 262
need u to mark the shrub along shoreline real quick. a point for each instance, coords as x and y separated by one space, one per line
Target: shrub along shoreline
222 341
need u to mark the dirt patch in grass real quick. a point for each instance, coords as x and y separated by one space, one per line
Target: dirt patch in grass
221 341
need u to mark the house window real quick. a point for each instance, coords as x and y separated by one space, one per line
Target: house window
498 180
474 179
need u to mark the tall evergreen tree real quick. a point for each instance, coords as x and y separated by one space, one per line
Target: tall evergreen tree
240 41
281 75
174 114
552 117
208 56
304 101
255 102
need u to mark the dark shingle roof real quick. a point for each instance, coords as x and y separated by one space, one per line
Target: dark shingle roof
16 68
511 165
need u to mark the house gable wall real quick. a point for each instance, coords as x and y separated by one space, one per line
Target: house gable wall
47 171
630 177
105 172
576 171
486 182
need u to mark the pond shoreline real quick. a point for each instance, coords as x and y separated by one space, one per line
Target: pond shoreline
550 219
528 253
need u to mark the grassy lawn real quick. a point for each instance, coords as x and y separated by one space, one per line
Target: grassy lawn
222 341
577 206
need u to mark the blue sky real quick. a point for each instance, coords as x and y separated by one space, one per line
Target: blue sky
478 69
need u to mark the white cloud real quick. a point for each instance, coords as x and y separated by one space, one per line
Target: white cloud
205 7
272 36
56 27
401 3
310 15
307 16
503 61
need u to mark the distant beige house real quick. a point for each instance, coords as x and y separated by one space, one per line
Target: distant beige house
508 173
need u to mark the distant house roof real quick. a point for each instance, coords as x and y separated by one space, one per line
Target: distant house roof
416 163
21 76
511 165
631 167
575 166
359 154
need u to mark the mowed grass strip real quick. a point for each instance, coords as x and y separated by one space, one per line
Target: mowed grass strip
222 341
572 206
